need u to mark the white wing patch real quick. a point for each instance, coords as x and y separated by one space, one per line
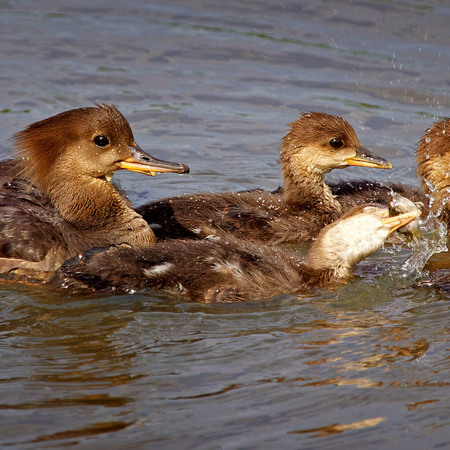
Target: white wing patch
158 270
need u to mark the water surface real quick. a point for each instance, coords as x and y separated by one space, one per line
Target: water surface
214 85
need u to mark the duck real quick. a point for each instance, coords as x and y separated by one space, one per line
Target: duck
433 168
231 270
57 199
293 214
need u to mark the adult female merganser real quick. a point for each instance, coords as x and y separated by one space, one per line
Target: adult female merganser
67 204
228 270
316 144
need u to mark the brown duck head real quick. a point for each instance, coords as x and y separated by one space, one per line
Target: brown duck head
316 144
72 156
323 142
83 143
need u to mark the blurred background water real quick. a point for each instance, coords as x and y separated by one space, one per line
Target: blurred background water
213 85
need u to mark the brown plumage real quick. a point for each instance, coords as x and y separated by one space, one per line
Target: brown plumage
10 175
227 270
352 193
316 144
59 200
433 167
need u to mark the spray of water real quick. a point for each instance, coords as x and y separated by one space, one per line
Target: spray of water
425 238
433 240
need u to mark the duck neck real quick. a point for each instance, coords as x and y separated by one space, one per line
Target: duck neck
329 266
94 205
306 188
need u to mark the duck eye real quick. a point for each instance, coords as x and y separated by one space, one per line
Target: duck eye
101 141
336 143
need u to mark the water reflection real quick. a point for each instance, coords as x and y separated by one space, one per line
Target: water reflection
103 354
68 346
92 430
339 428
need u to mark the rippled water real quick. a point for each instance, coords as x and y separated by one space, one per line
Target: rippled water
213 85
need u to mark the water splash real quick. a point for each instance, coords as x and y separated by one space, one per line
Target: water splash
433 240
433 237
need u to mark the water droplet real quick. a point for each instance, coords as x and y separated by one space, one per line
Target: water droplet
307 115
427 140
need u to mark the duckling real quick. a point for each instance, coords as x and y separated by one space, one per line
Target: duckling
316 144
433 167
229 270
65 203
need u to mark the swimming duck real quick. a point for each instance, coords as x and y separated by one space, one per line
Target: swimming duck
433 167
65 203
228 270
316 144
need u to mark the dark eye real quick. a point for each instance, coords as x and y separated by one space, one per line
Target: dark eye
101 141
336 143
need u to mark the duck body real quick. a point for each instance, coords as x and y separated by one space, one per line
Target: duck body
35 238
58 201
256 215
359 192
316 144
228 270
203 271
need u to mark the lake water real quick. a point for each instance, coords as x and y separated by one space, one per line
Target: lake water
214 85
